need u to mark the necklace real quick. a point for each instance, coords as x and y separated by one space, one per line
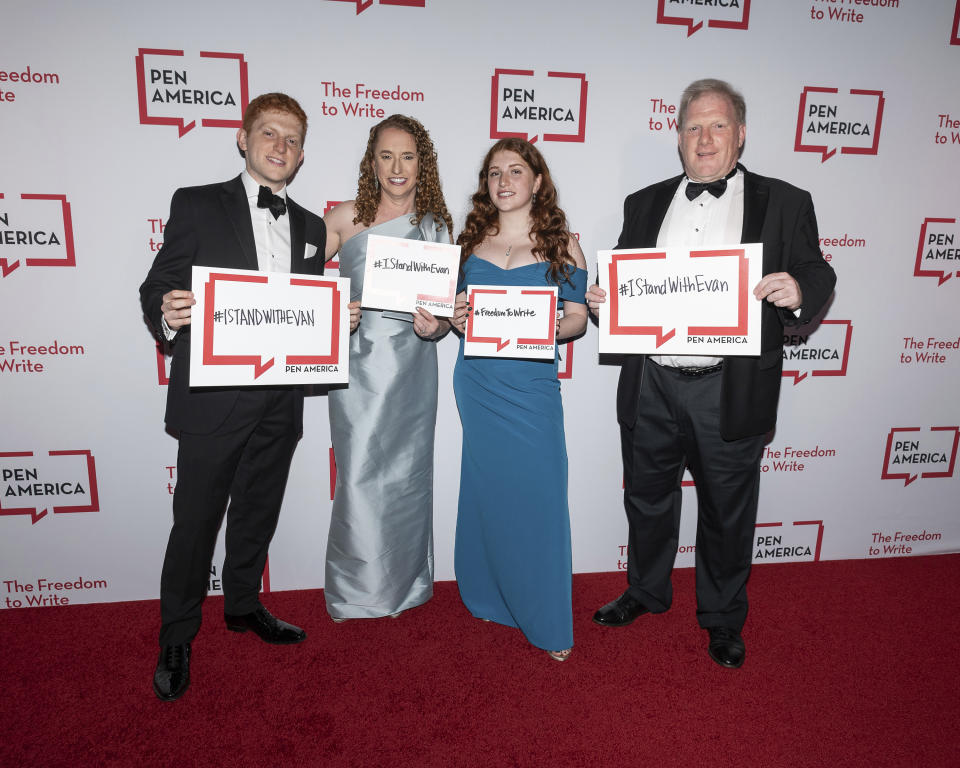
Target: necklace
507 254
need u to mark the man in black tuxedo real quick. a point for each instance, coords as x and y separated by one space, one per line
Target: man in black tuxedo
710 414
235 443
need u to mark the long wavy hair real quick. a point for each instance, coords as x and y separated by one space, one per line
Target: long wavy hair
548 222
429 198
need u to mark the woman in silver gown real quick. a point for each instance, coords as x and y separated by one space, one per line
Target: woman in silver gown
380 547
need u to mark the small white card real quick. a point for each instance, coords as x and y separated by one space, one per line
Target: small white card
511 321
266 328
403 274
681 301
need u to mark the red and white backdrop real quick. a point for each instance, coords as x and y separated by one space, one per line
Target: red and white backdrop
106 108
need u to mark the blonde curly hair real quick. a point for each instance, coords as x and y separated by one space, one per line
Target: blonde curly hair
429 197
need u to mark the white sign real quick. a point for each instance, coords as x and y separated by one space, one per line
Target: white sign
403 274
511 321
678 301
267 328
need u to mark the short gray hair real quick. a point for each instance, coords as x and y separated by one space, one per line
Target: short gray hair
699 88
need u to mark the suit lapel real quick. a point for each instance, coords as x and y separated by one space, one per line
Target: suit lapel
298 235
658 211
234 199
756 195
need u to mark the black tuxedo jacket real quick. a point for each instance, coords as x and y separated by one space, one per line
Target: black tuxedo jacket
210 226
781 217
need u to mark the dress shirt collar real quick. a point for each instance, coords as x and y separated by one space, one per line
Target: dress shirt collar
252 187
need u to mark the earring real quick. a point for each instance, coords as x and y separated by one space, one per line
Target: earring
534 200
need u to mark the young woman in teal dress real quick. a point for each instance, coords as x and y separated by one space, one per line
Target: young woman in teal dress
380 548
512 555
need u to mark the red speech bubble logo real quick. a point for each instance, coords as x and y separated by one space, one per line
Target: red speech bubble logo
163 365
20 481
566 361
810 108
724 19
924 450
10 236
658 331
260 366
499 341
362 5
836 348
819 539
189 96
936 241
577 104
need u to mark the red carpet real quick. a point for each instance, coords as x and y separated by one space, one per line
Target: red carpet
850 663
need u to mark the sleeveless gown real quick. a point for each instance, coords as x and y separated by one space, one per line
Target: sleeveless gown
512 556
380 547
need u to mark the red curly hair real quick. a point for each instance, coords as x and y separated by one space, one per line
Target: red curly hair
429 197
548 221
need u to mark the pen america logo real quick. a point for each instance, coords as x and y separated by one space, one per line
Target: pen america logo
178 89
362 5
938 251
824 353
35 231
829 121
694 14
34 483
777 543
527 105
915 452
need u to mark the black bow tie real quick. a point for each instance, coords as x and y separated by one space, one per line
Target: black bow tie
715 188
276 204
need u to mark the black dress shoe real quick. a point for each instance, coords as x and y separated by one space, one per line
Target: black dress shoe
172 676
620 612
726 647
267 626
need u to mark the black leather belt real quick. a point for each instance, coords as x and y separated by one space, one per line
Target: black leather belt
695 372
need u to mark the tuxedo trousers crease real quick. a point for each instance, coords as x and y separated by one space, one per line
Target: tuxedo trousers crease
245 461
678 426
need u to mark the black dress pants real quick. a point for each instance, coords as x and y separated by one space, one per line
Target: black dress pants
678 425
247 460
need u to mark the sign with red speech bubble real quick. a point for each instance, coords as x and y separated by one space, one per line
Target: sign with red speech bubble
723 14
678 301
267 328
511 321
401 274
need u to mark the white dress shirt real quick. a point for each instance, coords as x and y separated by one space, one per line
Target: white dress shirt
271 237
693 223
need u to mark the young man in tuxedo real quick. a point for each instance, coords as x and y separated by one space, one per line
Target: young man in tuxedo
235 443
710 414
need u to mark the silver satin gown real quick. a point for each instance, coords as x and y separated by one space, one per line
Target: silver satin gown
380 548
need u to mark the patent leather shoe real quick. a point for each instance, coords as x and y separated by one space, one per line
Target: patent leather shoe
172 675
268 627
620 612
726 647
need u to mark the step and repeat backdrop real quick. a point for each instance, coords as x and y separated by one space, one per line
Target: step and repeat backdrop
106 108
